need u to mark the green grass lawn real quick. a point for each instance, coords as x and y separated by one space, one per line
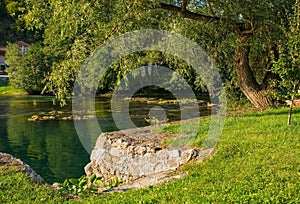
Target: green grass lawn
8 90
257 160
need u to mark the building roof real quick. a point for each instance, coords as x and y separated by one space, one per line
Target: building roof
2 51
3 64
22 44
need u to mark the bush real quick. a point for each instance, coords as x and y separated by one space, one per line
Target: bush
27 71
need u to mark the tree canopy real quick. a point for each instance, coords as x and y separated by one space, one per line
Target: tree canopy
242 37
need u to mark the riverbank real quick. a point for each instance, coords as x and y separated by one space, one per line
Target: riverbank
11 91
257 160
11 162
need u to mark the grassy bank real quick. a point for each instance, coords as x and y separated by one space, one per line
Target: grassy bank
16 187
257 160
11 91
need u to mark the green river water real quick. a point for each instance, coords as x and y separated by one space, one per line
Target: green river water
52 148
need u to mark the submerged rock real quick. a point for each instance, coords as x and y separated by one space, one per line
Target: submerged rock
59 115
33 118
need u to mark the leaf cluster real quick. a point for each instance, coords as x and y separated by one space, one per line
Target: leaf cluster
70 30
27 70
288 65
81 185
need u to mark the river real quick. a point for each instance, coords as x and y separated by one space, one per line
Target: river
52 147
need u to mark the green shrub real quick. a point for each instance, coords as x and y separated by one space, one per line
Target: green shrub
26 71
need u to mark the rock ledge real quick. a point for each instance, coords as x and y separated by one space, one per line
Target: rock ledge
136 153
12 162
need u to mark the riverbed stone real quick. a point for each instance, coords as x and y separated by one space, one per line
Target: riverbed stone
134 153
140 150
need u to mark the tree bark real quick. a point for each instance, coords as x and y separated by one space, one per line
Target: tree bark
255 92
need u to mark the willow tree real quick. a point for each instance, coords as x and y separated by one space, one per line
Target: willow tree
249 23
247 31
71 30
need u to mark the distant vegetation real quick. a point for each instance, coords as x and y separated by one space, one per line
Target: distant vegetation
9 91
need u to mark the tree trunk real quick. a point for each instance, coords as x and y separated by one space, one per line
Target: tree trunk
290 112
255 92
291 106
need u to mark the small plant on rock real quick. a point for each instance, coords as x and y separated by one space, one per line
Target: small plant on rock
82 184
114 182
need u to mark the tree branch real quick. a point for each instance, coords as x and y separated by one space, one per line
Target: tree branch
187 13
184 4
211 10
203 18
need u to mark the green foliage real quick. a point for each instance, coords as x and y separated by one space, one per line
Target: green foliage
12 23
9 91
81 185
27 70
6 23
114 182
87 185
16 187
288 65
70 31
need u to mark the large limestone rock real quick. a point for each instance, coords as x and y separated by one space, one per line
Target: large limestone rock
135 153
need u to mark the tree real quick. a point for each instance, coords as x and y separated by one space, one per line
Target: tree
6 23
239 36
288 65
71 31
14 59
12 24
27 71
249 22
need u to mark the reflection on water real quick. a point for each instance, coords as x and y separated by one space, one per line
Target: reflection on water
52 148
49 147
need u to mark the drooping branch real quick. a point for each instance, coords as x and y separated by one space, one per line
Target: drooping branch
241 27
211 10
188 14
184 4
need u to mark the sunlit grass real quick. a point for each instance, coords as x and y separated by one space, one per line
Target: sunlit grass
16 187
8 90
257 160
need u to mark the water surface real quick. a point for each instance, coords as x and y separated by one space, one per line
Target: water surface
52 148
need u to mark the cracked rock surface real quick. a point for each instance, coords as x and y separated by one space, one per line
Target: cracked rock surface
137 153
